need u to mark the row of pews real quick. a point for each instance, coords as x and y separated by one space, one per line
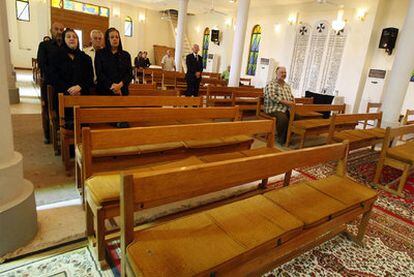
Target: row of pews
177 148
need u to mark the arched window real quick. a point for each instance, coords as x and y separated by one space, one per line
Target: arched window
254 50
22 10
206 39
128 26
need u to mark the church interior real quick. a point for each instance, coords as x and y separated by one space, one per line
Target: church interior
206 138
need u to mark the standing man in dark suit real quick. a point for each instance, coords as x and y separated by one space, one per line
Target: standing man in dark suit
194 68
48 49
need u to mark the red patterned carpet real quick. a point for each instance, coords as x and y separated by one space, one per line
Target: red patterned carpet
389 241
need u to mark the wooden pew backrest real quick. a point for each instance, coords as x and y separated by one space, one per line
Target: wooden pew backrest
407 120
108 115
304 100
342 119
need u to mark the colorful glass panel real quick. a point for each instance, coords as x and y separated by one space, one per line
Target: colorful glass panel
56 3
254 50
206 40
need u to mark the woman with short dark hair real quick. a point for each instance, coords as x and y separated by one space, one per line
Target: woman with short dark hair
113 66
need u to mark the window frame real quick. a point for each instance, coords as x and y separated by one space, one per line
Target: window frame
256 32
205 46
28 10
128 19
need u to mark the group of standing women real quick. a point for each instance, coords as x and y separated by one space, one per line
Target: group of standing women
71 70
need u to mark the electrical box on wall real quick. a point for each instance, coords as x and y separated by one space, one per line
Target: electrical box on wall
265 72
212 63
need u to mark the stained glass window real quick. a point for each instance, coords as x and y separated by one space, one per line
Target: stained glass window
254 50
128 26
22 10
80 7
204 51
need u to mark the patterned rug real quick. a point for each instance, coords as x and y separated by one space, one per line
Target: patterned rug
78 262
389 240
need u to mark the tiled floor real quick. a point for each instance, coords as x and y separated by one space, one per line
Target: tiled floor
29 94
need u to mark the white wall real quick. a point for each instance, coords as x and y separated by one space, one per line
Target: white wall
195 31
26 36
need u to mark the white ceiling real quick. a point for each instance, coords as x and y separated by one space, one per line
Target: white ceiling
200 6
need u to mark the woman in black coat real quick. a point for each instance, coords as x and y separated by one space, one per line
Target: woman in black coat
71 71
113 66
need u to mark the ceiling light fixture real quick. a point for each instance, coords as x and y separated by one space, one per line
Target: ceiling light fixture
292 19
361 13
339 23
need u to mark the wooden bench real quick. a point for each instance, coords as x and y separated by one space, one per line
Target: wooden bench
136 89
169 80
304 100
400 156
370 107
309 126
102 190
243 236
66 101
248 101
357 138
210 75
407 121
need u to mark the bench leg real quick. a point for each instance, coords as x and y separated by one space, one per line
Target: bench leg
302 141
362 228
288 138
403 180
286 181
100 238
89 222
66 155
263 184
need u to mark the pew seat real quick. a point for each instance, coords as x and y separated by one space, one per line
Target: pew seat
105 188
311 123
246 229
359 135
404 152
194 244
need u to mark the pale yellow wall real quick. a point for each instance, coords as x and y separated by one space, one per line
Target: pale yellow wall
26 36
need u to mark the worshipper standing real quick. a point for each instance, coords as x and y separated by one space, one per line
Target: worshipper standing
194 69
144 61
225 75
71 71
168 62
97 41
137 58
113 66
277 97
46 50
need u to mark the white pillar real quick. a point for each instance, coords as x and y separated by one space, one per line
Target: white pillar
179 37
400 74
14 96
18 218
238 42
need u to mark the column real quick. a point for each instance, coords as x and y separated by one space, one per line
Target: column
179 37
400 74
238 42
14 96
18 218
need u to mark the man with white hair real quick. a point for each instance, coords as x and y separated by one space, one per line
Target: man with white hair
167 62
97 41
194 69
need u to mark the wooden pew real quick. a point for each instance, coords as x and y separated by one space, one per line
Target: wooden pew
310 126
210 75
357 138
304 100
158 92
181 82
169 80
408 121
219 96
139 87
102 191
248 101
245 236
66 137
400 156
370 106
